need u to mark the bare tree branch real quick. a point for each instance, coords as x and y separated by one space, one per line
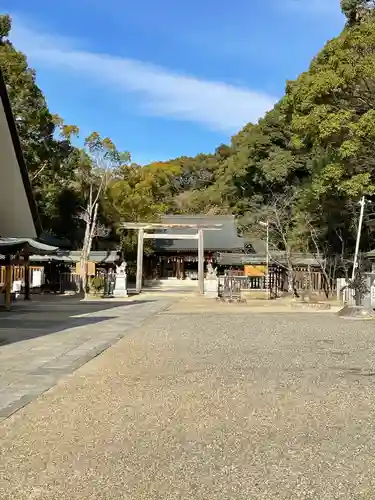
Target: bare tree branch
277 213
319 257
38 172
101 231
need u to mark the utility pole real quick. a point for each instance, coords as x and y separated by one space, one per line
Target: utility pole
355 262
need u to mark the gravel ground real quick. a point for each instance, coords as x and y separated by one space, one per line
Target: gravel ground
201 407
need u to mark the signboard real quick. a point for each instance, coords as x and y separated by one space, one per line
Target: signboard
37 278
90 268
256 271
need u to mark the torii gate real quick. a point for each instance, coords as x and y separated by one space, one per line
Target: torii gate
141 227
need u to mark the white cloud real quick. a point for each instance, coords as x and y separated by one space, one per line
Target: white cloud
158 91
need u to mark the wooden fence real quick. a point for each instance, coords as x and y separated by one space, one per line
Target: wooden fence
304 280
64 282
346 295
18 273
69 282
314 281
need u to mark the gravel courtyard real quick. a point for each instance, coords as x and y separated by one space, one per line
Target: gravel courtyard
206 407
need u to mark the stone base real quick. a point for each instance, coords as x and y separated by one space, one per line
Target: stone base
228 300
120 287
211 288
120 293
320 306
356 312
256 294
170 283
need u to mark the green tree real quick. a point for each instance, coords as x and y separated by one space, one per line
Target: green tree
332 114
45 139
356 10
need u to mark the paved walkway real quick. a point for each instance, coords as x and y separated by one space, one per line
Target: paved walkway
43 341
205 407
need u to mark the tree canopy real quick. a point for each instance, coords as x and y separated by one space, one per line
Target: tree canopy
313 154
356 10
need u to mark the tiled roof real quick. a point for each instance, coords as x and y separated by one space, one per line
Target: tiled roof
27 245
224 239
238 259
99 257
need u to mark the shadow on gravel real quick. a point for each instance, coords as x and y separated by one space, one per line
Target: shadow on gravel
360 371
42 317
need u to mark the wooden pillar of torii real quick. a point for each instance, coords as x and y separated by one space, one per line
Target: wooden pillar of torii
142 235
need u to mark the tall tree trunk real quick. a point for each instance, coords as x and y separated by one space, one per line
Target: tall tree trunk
309 284
83 270
291 279
92 229
85 250
290 282
89 236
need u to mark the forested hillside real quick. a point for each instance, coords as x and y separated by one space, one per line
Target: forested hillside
303 167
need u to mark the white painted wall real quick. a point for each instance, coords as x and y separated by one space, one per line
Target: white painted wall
15 216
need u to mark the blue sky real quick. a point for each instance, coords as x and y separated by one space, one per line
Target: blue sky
167 78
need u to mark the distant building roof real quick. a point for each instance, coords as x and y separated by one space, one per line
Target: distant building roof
26 245
50 239
225 238
99 257
256 245
240 259
19 216
370 255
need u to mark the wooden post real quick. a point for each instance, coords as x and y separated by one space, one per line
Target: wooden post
27 277
162 265
182 268
200 261
8 282
138 285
